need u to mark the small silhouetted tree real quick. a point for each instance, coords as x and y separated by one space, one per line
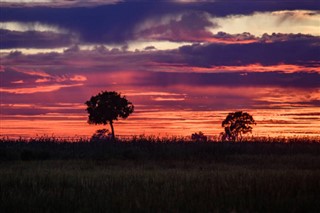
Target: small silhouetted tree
101 135
199 137
107 107
236 124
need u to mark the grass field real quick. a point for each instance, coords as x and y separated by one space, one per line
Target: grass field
46 175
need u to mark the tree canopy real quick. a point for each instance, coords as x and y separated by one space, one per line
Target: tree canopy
106 107
236 124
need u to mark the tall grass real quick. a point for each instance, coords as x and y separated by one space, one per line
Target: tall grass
148 175
149 148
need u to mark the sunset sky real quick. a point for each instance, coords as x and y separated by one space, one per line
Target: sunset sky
184 64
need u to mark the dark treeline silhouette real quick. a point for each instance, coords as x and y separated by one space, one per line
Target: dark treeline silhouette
151 148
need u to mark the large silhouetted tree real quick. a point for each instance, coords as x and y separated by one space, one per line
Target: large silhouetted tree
236 124
107 107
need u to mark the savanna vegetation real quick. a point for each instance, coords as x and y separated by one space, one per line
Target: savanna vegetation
150 174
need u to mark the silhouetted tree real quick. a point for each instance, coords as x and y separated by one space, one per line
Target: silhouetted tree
236 124
101 135
107 107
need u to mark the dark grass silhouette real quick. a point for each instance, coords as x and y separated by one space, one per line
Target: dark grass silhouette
145 174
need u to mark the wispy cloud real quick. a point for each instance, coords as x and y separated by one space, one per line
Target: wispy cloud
27 81
31 26
37 89
167 99
55 3
18 82
31 72
191 26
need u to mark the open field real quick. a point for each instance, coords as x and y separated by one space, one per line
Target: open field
149 176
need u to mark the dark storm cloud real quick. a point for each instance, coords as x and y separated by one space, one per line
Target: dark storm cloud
292 51
275 79
33 39
116 23
113 23
198 80
276 49
268 50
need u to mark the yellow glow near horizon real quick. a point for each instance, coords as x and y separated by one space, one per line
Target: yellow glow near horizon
32 51
134 46
158 45
296 21
30 26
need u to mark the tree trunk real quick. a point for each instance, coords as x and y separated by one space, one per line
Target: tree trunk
112 130
240 137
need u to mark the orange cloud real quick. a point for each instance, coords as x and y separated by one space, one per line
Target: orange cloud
56 106
287 96
78 78
18 82
42 80
34 72
168 99
37 89
154 93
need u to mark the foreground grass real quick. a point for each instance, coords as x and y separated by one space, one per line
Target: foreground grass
149 177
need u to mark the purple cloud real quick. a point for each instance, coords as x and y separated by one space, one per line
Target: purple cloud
34 39
189 27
